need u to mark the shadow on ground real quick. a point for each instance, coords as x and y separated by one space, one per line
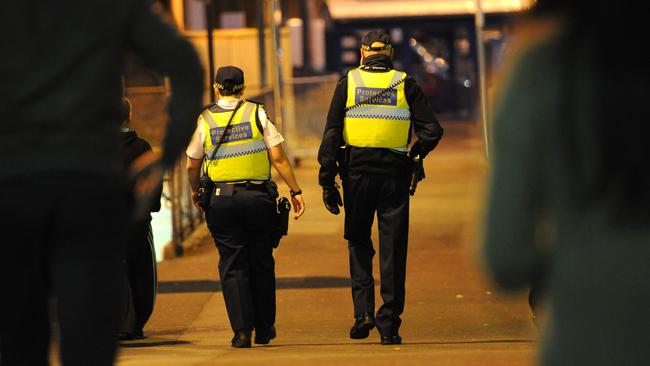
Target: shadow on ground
406 343
184 286
143 344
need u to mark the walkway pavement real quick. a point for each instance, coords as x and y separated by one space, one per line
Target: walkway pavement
453 314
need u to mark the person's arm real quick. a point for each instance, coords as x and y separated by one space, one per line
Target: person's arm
165 50
425 124
281 163
145 148
332 135
194 175
195 155
516 195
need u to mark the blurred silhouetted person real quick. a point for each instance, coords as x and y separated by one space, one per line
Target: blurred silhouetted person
570 191
140 260
63 204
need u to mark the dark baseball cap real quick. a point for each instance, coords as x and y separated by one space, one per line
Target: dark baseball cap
376 36
229 78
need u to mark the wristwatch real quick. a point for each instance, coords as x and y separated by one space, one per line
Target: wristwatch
296 193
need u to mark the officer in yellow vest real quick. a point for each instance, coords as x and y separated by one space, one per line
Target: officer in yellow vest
235 144
374 112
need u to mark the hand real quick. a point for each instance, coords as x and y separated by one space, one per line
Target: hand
147 172
298 206
416 150
332 199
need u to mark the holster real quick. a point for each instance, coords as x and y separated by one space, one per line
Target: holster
417 174
206 188
283 209
281 217
343 160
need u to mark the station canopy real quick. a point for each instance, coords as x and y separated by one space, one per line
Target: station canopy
367 9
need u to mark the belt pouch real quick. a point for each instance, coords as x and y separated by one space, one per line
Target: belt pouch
223 189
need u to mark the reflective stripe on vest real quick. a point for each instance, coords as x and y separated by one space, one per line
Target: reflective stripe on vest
242 155
385 123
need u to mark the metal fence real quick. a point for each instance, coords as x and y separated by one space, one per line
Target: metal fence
310 98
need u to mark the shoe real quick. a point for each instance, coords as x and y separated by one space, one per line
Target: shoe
241 339
362 326
396 339
265 337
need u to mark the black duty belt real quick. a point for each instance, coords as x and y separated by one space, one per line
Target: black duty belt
249 186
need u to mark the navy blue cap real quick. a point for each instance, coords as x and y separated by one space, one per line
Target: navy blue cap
376 36
229 78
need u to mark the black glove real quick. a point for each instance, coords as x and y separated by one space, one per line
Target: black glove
416 150
332 198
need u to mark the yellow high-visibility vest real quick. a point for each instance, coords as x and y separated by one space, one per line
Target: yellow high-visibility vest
385 122
242 155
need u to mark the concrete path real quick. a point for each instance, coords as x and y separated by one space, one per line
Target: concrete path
453 314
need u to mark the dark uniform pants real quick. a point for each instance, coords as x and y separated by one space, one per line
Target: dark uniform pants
142 283
64 236
388 197
242 227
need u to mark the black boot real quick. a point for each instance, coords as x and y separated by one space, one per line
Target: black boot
242 339
362 326
264 337
394 339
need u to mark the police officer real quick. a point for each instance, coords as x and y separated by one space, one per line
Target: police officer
373 113
237 144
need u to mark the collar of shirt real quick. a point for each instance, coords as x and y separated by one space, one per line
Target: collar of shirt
228 103
377 62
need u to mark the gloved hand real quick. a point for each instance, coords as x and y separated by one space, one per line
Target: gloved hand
332 198
416 150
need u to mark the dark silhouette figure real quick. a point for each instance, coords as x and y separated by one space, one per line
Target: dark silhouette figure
140 259
63 204
569 205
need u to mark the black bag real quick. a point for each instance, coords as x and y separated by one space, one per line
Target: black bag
282 227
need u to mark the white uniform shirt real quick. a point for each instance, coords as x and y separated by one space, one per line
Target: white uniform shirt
271 135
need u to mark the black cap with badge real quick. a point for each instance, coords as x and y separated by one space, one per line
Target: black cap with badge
376 36
229 78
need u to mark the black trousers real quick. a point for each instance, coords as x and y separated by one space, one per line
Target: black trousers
64 236
365 195
140 288
241 226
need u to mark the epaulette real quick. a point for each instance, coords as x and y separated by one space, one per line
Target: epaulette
207 106
345 74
